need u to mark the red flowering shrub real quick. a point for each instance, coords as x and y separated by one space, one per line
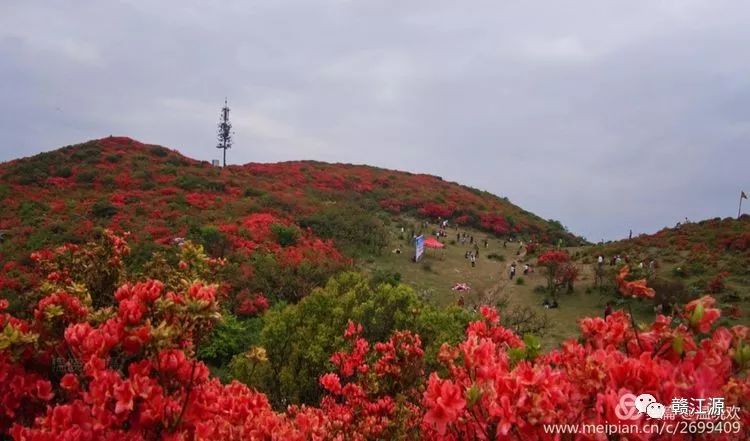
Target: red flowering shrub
561 272
497 224
71 372
632 288
717 285
435 211
248 306
489 394
375 394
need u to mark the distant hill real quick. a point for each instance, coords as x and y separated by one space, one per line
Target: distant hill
692 251
296 211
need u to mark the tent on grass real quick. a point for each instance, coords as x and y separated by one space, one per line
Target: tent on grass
431 242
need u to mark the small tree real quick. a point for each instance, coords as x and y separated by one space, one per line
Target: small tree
225 131
560 271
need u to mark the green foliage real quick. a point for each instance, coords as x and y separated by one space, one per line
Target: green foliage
669 292
299 339
381 276
532 348
213 240
103 209
108 182
88 152
32 212
356 231
63 172
86 177
193 182
285 235
141 253
520 281
51 235
284 282
251 192
158 151
229 337
495 256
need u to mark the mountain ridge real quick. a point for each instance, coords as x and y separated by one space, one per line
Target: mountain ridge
305 216
67 167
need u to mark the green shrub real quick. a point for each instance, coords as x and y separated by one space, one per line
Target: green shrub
103 209
355 230
160 152
497 257
213 241
381 276
284 282
109 182
63 172
230 337
253 192
300 339
29 172
192 183
141 253
285 235
86 177
520 281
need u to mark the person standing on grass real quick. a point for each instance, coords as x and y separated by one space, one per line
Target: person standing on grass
608 310
512 270
486 243
473 260
525 269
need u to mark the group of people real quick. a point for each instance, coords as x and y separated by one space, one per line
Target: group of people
464 238
472 255
526 269
616 260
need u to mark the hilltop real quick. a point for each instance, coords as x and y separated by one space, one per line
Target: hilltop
296 212
696 247
712 256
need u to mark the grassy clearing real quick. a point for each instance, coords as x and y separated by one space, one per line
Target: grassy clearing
440 270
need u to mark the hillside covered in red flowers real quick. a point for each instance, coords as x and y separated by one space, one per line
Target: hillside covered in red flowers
703 253
148 296
303 214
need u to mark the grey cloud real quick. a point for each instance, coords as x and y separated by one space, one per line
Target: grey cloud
606 115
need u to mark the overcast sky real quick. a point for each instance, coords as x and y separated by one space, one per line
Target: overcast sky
604 115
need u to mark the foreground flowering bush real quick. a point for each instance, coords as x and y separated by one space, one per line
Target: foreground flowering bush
73 370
